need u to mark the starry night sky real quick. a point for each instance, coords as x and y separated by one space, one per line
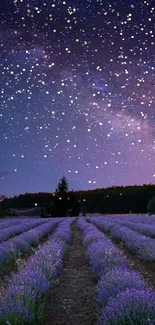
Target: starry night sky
77 92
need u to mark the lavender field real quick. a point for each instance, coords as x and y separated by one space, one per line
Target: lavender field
97 269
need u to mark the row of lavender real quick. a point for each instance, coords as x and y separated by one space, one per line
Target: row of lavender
10 222
141 245
14 248
13 230
122 296
142 218
144 225
146 220
146 228
24 298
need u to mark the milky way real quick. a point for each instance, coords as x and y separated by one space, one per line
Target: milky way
77 94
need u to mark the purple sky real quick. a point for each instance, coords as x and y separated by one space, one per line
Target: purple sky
77 91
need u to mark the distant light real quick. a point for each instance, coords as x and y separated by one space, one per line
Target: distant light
36 204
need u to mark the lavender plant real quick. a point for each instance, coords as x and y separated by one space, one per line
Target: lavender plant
141 245
101 253
115 281
12 231
122 296
27 289
130 307
103 256
11 250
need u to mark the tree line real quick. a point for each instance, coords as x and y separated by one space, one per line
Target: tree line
112 200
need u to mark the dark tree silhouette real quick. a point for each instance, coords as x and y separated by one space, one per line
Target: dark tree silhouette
116 199
62 186
62 200
151 206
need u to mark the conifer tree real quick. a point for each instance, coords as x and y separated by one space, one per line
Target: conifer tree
61 204
62 186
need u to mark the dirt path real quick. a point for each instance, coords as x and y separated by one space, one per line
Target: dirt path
71 300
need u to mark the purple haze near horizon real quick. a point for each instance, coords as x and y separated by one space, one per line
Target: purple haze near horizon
77 94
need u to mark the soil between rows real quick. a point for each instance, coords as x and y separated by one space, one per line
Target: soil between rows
71 300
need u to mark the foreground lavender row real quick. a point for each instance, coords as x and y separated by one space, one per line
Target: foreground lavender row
141 245
12 249
122 296
23 301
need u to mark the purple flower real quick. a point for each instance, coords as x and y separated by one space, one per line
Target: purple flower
115 281
102 256
130 307
14 247
16 313
143 246
91 236
26 290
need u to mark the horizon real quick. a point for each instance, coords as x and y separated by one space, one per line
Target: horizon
80 190
77 97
